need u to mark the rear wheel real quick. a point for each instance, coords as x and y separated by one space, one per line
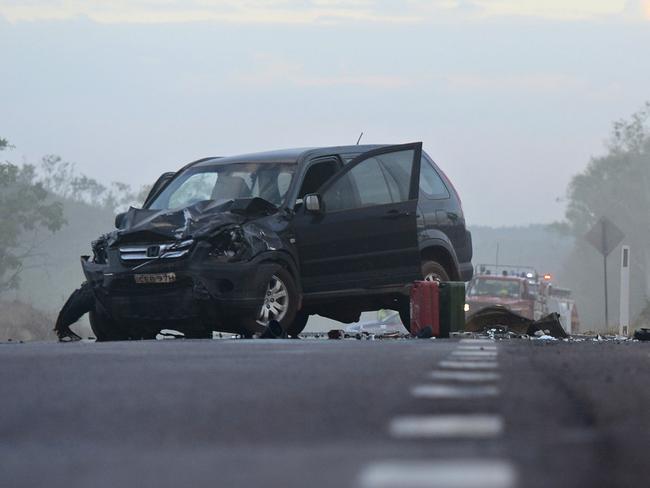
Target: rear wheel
433 271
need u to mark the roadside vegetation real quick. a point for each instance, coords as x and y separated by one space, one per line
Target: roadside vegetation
49 214
615 185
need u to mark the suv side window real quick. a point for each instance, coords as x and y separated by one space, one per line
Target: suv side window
431 183
317 174
397 167
362 186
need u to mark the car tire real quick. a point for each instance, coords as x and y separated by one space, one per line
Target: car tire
105 328
277 280
433 271
298 324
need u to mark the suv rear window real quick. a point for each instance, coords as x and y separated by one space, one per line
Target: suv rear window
431 183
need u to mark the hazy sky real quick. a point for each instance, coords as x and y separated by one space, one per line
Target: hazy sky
510 97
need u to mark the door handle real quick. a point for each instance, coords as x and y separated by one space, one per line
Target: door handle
452 216
395 214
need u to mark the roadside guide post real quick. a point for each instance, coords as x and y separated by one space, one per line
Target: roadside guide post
605 236
624 313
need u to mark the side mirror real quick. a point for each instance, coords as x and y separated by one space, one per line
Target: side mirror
119 220
312 203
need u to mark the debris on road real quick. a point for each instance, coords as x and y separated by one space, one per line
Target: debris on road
80 302
503 321
642 334
336 334
425 333
170 334
274 331
544 337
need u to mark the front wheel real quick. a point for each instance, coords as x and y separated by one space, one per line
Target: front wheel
298 325
105 328
280 303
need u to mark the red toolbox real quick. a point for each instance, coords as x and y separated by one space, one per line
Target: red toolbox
425 310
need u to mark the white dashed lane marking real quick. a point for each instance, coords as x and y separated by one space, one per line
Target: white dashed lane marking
440 391
446 426
486 347
464 342
475 354
457 364
465 376
451 473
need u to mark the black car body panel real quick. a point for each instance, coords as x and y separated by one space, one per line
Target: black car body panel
343 259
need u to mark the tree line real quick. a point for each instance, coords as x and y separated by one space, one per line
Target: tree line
615 185
31 200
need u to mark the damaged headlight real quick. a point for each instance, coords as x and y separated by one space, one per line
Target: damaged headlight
230 246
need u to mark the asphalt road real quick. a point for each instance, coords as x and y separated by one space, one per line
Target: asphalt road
319 413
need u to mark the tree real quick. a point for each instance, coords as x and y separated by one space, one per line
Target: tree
25 207
617 186
62 179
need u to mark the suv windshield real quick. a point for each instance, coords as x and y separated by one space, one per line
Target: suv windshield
222 182
495 287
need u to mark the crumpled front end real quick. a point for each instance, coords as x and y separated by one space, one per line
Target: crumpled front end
203 274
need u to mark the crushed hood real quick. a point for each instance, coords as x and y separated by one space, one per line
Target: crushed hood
195 221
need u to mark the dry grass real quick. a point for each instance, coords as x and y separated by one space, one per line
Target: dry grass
22 322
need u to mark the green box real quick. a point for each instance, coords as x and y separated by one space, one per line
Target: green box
452 307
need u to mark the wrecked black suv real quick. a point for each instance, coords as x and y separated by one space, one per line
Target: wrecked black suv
237 243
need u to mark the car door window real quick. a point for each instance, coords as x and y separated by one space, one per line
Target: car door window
431 183
317 174
398 167
362 186
378 180
371 183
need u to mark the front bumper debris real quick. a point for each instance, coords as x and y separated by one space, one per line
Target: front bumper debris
497 315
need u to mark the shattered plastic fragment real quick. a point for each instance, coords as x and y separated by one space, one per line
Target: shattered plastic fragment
545 337
336 334
170 334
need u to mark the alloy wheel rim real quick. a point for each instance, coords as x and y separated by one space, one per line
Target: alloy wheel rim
276 302
433 277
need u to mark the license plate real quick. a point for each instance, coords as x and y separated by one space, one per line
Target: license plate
155 278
